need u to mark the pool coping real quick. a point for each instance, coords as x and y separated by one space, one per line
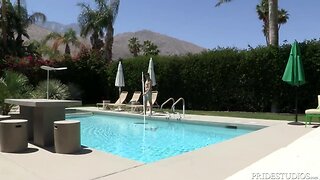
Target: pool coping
217 161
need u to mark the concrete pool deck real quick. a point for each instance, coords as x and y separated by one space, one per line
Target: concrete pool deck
277 148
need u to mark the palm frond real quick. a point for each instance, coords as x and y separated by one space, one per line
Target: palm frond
57 43
222 2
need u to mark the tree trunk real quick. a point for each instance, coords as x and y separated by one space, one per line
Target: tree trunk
273 37
108 43
273 23
4 24
96 42
19 40
67 49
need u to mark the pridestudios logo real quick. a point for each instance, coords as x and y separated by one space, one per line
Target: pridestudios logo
284 176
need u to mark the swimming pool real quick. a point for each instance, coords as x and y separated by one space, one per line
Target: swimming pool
128 137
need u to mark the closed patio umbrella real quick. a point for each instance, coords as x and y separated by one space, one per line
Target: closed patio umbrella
119 82
151 72
294 73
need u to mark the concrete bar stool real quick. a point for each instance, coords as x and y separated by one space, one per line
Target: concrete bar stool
4 117
67 136
13 135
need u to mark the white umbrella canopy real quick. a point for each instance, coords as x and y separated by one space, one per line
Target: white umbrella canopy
151 72
119 78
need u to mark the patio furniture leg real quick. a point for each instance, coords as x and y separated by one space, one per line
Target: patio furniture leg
306 120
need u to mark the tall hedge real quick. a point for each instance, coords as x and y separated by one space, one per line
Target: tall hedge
220 79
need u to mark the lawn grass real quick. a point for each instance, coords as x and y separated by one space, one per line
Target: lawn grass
254 115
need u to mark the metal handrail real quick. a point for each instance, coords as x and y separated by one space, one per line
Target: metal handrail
183 105
170 99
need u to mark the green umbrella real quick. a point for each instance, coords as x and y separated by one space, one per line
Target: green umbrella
294 73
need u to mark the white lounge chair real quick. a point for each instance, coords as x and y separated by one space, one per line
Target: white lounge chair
311 113
135 107
120 102
135 97
154 99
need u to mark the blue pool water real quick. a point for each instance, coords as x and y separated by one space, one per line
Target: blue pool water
130 138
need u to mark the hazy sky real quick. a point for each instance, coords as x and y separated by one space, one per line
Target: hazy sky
233 24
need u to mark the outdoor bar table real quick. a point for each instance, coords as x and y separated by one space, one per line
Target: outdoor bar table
41 114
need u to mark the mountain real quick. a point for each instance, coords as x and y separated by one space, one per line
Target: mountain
166 44
58 27
39 33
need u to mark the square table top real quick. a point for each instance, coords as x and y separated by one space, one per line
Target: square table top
43 102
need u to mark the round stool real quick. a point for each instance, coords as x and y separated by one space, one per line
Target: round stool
4 117
67 136
13 135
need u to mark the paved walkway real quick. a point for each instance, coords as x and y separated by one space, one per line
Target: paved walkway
298 160
44 164
278 147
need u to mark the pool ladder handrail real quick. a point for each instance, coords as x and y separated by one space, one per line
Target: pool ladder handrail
183 106
170 99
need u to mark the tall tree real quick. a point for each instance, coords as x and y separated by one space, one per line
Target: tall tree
134 46
23 20
149 48
4 23
263 15
8 15
273 20
69 37
112 11
101 19
15 21
89 25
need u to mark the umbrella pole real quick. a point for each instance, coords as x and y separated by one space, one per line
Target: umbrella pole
119 97
144 109
296 104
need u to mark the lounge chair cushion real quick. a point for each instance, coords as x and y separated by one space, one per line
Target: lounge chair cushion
312 111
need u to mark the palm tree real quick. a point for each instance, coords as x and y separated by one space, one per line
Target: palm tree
112 12
4 23
23 20
134 46
273 20
40 49
9 24
283 17
69 37
15 21
263 14
149 48
99 20
273 23
88 21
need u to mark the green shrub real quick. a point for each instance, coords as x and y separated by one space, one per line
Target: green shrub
13 85
220 79
57 90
